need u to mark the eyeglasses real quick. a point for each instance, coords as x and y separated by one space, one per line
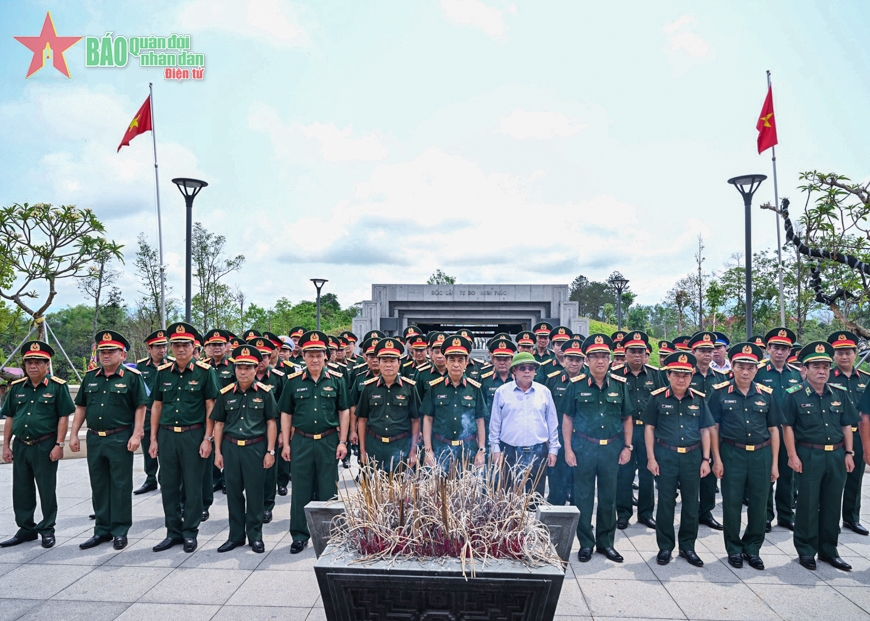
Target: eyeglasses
526 368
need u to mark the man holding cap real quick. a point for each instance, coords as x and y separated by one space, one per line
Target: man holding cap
37 411
113 399
244 446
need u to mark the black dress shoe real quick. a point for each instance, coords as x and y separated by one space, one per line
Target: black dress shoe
768 526
611 554
584 555
663 557
205 516
622 523
120 542
230 545
267 517
634 486
282 490
146 487
735 560
94 541
16 540
648 522
745 502
258 547
754 561
807 561
47 541
216 486
224 490
189 544
92 516
785 524
693 558
712 523
166 544
297 546
856 527
836 562
634 501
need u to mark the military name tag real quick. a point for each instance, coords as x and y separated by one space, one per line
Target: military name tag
92 384
303 389
730 401
585 394
440 396
231 401
666 406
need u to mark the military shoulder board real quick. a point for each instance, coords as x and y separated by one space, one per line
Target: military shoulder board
228 388
472 382
132 370
57 380
436 381
721 385
143 360
203 365
266 387
409 363
409 380
578 377
487 374
616 368
18 381
164 366
698 393
762 364
425 367
553 374
297 374
335 373
659 391
793 389
764 388
369 381
653 367
840 386
278 373
862 372
618 378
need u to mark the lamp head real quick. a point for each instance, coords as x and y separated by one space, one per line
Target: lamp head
747 184
189 187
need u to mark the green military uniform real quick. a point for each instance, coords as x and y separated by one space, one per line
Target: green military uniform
315 407
817 422
148 370
490 380
560 478
34 413
744 432
542 329
704 384
245 415
597 413
639 386
110 403
678 429
454 410
855 384
779 382
275 379
183 393
388 412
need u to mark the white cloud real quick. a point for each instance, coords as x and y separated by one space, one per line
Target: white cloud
681 37
338 145
274 21
521 124
478 15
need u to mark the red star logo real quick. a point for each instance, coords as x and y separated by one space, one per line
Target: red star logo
46 45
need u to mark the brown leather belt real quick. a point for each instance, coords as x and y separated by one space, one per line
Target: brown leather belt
109 432
53 434
679 449
822 447
316 436
245 442
183 428
746 447
454 442
597 441
386 440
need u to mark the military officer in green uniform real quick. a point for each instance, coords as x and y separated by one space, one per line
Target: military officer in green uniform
817 431
501 353
36 412
217 348
438 363
417 345
475 368
147 367
113 399
314 406
747 421
640 379
296 333
703 380
560 477
388 413
526 341
350 351
854 380
596 432
245 434
542 350
618 349
677 431
181 435
778 375
453 409
665 348
558 337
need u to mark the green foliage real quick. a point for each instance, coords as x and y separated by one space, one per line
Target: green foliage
440 278
594 297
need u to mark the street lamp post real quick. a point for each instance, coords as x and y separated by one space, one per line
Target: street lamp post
319 282
619 284
189 188
747 185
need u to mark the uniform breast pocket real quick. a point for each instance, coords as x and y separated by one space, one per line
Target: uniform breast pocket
693 410
45 403
836 411
119 392
376 401
760 408
614 398
328 392
400 401
192 392
257 405
441 402
665 409
805 410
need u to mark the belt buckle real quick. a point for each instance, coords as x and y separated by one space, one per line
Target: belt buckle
385 440
602 443
176 429
854 429
681 449
317 436
240 442
750 447
102 434
455 442
829 447
527 449
638 422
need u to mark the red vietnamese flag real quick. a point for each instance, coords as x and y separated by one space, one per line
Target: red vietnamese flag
766 125
140 124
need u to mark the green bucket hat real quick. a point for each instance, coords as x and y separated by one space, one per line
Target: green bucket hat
524 357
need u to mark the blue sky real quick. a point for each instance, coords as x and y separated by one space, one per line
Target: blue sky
503 142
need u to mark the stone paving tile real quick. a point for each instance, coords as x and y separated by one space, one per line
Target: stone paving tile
678 570
633 568
114 584
69 553
34 581
140 554
261 613
802 602
12 609
719 601
646 600
168 612
197 586
240 558
24 552
571 602
859 576
860 596
281 559
316 614
74 611
263 588
778 569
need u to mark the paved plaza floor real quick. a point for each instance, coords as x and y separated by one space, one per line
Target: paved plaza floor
66 583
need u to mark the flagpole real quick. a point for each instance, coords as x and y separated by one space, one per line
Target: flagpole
778 239
160 223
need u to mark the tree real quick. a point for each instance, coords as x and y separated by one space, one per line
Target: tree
438 278
680 299
44 244
97 278
213 305
591 297
699 284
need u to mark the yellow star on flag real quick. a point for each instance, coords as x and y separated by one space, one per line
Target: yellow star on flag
135 123
765 119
